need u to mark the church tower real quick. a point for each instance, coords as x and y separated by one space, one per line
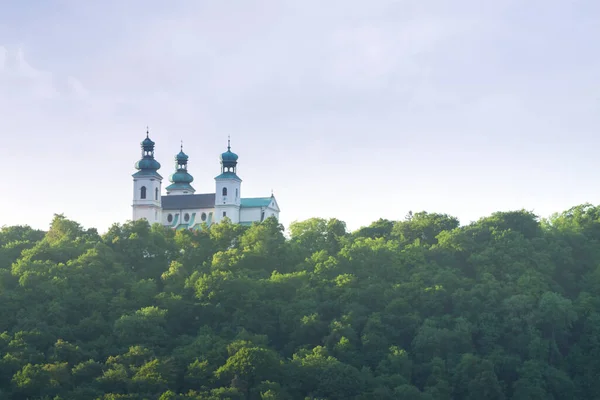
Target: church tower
228 194
181 180
147 185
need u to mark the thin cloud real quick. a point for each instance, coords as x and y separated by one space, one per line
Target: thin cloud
20 80
3 57
76 88
308 83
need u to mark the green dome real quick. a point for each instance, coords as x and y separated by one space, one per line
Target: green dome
229 156
147 142
180 186
181 176
181 157
181 179
147 163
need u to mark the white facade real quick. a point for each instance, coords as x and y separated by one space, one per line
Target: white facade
181 208
147 198
176 192
227 199
228 191
188 216
249 214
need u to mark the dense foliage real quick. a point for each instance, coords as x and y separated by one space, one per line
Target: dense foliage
504 308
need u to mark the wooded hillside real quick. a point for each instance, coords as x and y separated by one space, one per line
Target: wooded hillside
504 308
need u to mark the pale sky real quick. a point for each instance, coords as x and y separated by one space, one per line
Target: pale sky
354 109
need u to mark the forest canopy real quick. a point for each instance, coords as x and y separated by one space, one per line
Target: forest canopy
507 307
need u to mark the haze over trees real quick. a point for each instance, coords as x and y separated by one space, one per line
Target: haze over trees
422 308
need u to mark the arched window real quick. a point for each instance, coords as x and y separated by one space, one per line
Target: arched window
170 218
236 194
156 194
203 216
143 192
224 191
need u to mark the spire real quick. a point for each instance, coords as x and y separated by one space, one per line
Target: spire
181 160
147 164
228 163
228 159
181 178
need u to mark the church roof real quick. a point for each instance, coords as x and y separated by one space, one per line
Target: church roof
256 202
228 175
188 201
145 172
180 186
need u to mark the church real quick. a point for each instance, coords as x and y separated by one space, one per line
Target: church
182 208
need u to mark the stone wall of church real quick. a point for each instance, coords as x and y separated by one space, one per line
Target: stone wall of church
231 211
256 214
250 214
181 219
150 213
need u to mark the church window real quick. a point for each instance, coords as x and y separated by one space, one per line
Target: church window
236 194
203 217
170 218
186 217
262 216
155 193
224 213
143 192
224 191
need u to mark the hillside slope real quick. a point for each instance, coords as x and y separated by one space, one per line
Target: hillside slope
504 308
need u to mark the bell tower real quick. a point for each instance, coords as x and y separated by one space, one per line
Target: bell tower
147 185
228 188
181 179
